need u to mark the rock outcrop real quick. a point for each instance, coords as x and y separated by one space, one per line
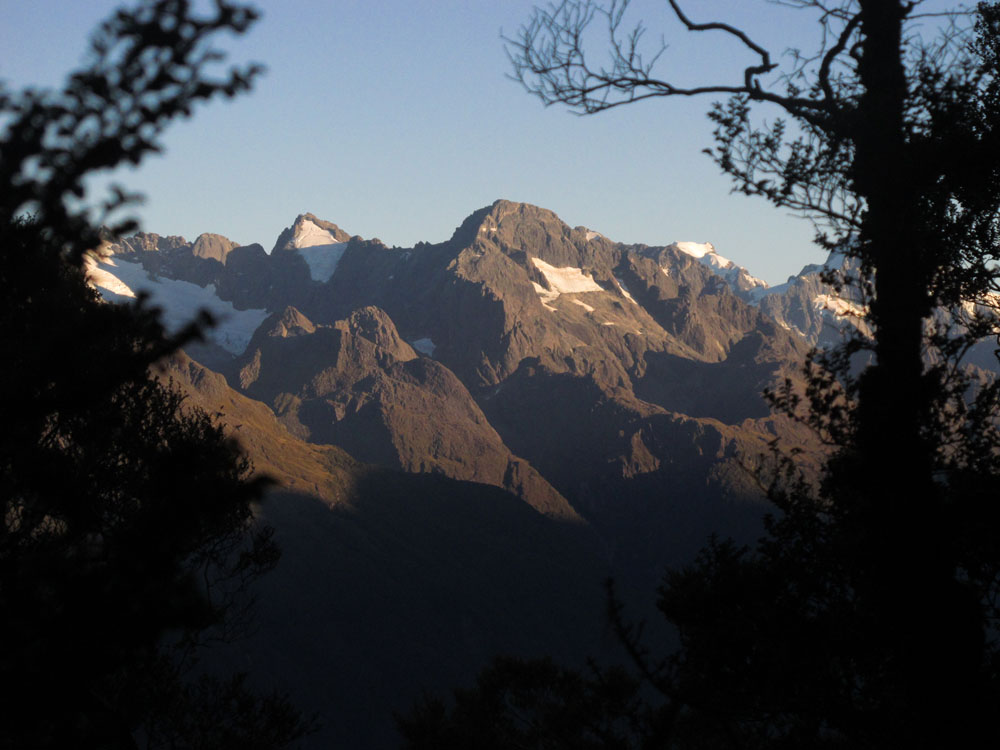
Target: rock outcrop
356 384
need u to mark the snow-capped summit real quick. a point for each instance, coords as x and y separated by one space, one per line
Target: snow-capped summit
320 243
736 276
307 233
698 249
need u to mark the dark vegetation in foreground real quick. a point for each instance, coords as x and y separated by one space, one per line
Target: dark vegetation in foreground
127 537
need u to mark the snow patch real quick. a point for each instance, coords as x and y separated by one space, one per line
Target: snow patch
752 280
590 234
424 346
567 280
839 306
584 305
695 249
625 291
322 259
105 281
310 234
180 302
319 248
706 255
546 295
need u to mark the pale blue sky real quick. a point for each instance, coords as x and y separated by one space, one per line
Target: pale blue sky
394 119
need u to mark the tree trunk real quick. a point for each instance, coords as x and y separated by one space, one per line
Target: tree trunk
907 582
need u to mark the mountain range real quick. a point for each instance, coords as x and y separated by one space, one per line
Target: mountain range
469 436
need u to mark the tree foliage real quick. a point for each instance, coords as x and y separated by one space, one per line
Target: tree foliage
866 616
128 532
147 67
530 704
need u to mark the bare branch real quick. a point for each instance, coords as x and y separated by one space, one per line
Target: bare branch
831 55
749 81
549 59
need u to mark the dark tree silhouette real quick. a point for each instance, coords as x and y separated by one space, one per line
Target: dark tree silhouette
866 616
127 528
526 704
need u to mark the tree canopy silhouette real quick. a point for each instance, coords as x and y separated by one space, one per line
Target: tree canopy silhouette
866 616
127 523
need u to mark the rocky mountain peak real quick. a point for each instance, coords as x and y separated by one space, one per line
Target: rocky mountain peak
309 231
508 215
739 279
290 322
695 249
523 228
148 242
373 324
213 247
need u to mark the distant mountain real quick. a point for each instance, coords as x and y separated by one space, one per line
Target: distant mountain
812 308
517 411
824 315
737 277
617 383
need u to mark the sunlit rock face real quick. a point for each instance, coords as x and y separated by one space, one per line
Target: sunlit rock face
618 384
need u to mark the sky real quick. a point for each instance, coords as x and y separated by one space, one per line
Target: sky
396 119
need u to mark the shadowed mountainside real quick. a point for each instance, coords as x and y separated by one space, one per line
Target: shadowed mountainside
391 582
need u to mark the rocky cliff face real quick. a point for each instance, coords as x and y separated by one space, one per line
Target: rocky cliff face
358 385
813 309
620 384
